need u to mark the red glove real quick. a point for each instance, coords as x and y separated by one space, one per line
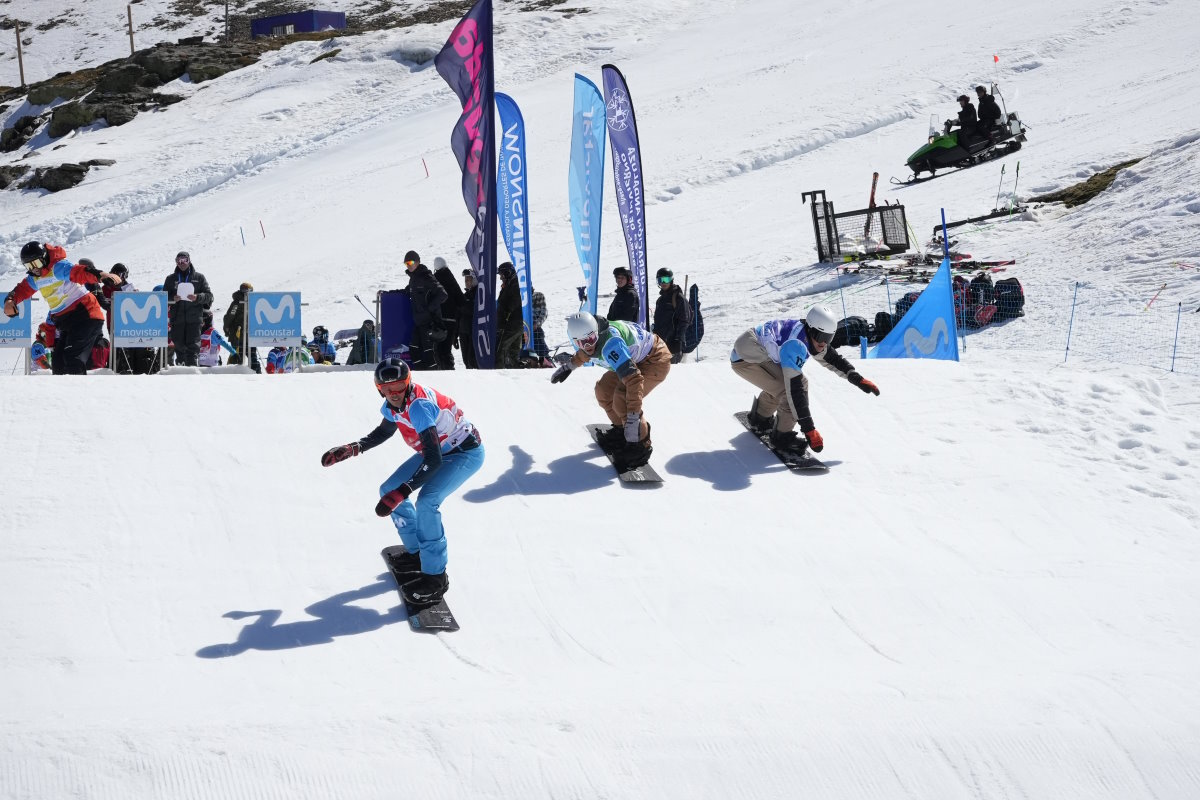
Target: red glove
340 453
387 504
815 441
863 383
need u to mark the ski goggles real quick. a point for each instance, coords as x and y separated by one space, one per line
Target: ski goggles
665 279
36 265
819 337
588 343
392 388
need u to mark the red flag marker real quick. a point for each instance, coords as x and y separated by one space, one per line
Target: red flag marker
995 59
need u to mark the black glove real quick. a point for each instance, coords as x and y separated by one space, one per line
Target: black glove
340 453
387 504
863 383
436 334
561 374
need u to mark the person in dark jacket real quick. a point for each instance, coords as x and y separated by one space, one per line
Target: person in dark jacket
450 310
989 113
466 318
967 121
233 323
510 323
185 313
625 303
671 313
362 351
427 297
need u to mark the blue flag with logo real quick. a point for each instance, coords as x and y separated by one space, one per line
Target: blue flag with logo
585 183
627 178
928 329
139 319
466 64
512 186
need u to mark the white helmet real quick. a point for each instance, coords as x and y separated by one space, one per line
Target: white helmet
821 324
583 330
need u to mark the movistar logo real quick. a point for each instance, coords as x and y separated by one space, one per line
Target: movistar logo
263 308
139 314
918 345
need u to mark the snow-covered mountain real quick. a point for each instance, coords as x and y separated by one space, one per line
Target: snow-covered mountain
991 594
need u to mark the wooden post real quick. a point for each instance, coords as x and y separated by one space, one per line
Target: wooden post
20 58
226 21
129 12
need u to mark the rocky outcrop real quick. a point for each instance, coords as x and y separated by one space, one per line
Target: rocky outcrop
10 175
20 133
64 176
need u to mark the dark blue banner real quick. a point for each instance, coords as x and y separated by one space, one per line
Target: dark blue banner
513 186
465 63
627 178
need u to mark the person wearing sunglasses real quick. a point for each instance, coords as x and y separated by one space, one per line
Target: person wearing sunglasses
186 308
77 316
449 451
634 362
672 314
772 357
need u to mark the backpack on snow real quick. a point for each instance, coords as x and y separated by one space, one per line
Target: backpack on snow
694 332
1010 299
905 303
982 301
850 330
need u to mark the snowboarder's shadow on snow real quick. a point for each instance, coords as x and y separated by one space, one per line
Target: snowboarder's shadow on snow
731 470
581 472
334 617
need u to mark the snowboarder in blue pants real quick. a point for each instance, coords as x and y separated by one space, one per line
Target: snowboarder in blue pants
449 451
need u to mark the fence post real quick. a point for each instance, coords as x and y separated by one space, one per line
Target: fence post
838 271
1175 346
1071 322
20 56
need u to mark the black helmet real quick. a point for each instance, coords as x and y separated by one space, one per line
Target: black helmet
32 253
506 270
320 331
664 272
207 316
623 272
120 269
391 371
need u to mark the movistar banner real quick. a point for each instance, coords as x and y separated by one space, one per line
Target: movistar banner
928 329
274 319
17 331
139 319
627 178
465 63
512 185
585 183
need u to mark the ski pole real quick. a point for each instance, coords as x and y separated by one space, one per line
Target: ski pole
1152 299
1016 202
998 188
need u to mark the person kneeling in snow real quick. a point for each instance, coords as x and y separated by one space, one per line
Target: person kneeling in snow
772 357
449 451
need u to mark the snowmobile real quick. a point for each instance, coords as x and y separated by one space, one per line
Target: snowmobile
958 149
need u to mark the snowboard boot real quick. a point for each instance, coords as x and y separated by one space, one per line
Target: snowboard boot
759 424
633 454
789 443
612 439
426 589
402 562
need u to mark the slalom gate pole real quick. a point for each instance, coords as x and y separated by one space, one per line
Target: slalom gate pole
1175 346
243 233
1152 299
842 296
1071 322
946 252
264 230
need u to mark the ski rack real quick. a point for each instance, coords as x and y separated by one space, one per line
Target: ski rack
880 230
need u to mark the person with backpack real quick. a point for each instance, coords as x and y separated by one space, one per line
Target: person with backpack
772 356
233 322
672 315
634 361
429 329
449 450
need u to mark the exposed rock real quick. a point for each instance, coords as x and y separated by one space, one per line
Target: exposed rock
9 175
116 113
67 118
55 179
20 133
99 162
122 79
46 93
200 72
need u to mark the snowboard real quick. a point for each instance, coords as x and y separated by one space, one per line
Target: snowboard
643 474
807 463
428 618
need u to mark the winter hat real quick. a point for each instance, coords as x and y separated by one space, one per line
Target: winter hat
247 286
413 256
87 262
623 272
468 273
439 262
506 269
183 254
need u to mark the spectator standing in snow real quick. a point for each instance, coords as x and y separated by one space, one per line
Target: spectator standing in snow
626 303
186 313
